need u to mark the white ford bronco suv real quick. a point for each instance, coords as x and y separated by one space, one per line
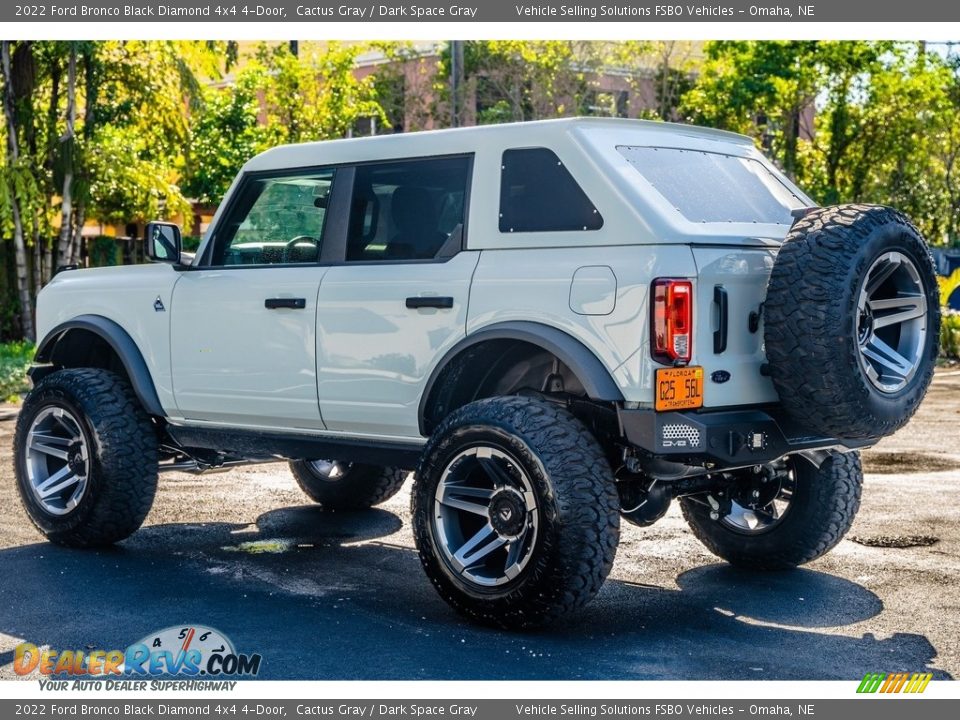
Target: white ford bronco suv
556 325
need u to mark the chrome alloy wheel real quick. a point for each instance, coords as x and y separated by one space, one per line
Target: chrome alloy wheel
891 322
485 516
760 501
330 470
57 460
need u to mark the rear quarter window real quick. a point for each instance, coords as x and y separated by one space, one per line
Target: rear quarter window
538 194
710 187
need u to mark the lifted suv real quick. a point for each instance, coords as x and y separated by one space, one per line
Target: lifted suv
556 325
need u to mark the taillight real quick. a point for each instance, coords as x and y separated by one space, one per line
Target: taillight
671 325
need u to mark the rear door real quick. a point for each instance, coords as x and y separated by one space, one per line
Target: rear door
398 302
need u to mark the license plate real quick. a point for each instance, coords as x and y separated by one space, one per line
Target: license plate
679 388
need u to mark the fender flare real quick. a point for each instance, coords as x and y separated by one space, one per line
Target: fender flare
119 341
592 373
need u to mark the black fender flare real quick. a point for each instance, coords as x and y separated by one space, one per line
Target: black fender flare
119 341
592 373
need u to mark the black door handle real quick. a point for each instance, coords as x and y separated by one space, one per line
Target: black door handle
415 303
720 334
292 303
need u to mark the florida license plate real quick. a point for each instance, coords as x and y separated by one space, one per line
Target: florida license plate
679 388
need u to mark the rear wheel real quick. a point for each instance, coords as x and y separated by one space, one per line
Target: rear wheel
515 512
340 485
788 514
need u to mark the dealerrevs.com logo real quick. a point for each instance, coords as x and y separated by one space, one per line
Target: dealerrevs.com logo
194 651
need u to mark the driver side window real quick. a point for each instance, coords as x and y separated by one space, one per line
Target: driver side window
277 220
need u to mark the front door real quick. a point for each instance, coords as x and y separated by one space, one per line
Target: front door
243 326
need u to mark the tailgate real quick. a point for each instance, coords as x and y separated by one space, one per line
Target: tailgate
731 376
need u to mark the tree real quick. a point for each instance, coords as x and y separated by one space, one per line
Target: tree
763 89
18 186
225 134
850 121
314 96
515 80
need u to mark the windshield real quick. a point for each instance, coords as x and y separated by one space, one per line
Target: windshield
708 187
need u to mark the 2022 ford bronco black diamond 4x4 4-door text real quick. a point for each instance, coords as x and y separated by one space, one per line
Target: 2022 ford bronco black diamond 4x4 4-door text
556 325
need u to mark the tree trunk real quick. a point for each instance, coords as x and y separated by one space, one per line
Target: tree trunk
79 218
68 144
20 248
37 257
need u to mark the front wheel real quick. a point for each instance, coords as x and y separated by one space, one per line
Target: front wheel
86 457
788 514
515 512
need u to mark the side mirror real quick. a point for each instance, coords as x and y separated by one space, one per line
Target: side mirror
163 242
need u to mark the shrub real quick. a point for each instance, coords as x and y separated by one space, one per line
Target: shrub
14 360
950 334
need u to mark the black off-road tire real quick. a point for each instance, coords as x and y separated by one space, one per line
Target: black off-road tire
811 321
359 487
124 454
824 504
578 510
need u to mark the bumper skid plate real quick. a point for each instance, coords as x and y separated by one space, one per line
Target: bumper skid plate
727 437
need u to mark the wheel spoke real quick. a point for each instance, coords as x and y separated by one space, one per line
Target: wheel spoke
478 547
53 439
61 479
908 308
44 444
495 471
882 273
456 496
512 567
750 519
878 351
66 422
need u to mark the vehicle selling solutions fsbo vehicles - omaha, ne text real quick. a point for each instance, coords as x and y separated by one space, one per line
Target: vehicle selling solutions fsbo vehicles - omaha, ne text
556 324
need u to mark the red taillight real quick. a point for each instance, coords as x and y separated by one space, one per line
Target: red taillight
671 325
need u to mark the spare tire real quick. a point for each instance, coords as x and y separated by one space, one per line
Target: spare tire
851 321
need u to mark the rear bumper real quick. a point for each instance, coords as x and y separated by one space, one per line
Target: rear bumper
726 438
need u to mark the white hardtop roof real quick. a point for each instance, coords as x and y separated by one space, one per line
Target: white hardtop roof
541 133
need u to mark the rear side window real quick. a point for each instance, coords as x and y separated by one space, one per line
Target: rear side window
708 187
408 209
538 194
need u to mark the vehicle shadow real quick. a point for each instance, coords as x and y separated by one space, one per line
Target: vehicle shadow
328 596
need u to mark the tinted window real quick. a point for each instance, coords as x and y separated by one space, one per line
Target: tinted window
408 210
277 220
710 187
538 194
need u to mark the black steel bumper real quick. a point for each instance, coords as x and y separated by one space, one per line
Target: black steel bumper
727 438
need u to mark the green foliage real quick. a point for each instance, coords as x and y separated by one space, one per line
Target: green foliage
525 79
225 134
15 358
103 251
309 97
849 121
950 334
